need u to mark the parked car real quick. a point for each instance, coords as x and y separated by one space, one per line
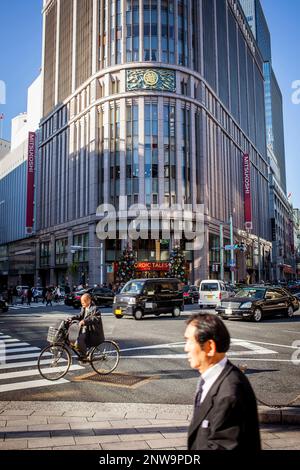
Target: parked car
257 302
211 292
190 294
3 306
141 297
101 296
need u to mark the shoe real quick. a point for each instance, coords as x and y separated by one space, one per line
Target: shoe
83 359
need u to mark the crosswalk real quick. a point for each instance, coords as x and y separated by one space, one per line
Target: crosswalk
18 354
34 305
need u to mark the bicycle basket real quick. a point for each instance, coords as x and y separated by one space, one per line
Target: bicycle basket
56 333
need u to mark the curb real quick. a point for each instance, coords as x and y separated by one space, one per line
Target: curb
288 415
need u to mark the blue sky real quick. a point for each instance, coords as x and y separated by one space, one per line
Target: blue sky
20 60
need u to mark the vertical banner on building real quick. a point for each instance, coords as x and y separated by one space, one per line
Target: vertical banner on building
247 192
30 183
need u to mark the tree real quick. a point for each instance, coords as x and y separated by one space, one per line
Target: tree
126 265
177 264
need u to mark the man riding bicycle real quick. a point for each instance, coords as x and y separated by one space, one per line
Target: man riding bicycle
89 331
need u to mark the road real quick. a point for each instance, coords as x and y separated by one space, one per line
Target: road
153 366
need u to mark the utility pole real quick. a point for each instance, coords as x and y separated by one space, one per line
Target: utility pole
221 253
259 260
232 250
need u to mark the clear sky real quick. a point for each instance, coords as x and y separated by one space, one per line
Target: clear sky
20 61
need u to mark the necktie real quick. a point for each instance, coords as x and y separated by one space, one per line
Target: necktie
199 392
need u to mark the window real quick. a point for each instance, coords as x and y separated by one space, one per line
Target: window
151 151
132 149
132 30
45 253
82 241
150 30
167 31
61 251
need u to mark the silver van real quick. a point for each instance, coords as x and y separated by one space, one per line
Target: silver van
212 292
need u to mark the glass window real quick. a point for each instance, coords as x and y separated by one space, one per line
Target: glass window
61 251
132 30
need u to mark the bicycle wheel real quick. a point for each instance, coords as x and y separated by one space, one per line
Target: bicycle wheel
105 357
54 362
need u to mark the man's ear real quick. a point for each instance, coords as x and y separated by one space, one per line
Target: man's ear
211 348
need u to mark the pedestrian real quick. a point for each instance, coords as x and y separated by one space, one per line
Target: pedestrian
15 295
10 295
44 294
29 296
225 410
49 297
35 294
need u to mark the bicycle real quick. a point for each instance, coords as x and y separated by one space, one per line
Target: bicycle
55 360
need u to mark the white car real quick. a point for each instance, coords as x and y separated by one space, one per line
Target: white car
212 292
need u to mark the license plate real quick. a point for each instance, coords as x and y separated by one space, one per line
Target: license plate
118 311
209 296
228 311
149 305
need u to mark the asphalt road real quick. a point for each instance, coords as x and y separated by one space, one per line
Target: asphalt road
153 366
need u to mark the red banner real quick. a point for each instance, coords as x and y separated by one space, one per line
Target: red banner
247 192
30 182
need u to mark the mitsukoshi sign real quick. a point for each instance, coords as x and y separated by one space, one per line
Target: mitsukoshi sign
247 191
30 183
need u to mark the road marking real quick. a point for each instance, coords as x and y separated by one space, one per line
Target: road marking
250 349
30 384
291 331
269 344
12 345
10 340
16 365
20 356
30 348
263 359
28 373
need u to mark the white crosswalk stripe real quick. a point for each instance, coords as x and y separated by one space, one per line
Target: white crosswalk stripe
13 351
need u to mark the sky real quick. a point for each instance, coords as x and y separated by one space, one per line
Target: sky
20 62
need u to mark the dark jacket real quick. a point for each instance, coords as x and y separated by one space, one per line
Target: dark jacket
229 413
94 327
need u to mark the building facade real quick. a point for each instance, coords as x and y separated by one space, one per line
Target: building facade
157 101
17 196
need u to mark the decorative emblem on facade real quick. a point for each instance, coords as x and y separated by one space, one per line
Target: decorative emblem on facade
150 79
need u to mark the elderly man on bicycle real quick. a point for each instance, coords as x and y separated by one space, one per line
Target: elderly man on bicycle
86 328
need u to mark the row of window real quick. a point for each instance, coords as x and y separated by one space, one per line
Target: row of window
62 248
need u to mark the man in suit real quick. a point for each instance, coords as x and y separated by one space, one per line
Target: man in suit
225 410
88 327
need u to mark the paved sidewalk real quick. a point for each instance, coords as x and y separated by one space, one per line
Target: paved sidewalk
120 426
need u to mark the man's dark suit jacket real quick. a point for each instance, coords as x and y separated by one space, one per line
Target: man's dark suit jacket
227 419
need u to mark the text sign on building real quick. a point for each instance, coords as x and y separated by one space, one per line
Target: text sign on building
247 192
30 183
150 79
148 266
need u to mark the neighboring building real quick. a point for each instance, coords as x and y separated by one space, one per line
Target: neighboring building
280 209
4 148
297 240
158 101
17 245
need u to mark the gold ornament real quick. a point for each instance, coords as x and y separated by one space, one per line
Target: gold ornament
150 78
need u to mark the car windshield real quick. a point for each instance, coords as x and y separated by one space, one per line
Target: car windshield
209 286
133 287
251 292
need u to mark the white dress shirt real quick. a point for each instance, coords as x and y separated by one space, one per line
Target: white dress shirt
211 375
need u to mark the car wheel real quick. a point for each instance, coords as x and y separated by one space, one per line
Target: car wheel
138 314
290 311
201 306
176 312
157 314
257 315
119 316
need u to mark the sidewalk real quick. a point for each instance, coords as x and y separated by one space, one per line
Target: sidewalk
120 426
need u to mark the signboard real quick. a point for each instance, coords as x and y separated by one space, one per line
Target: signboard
247 192
30 183
232 263
150 79
229 247
148 266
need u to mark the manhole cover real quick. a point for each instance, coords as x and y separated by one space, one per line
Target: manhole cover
114 379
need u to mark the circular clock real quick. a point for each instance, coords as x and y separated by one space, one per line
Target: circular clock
150 77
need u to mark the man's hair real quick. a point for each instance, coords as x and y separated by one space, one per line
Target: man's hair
210 326
87 296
